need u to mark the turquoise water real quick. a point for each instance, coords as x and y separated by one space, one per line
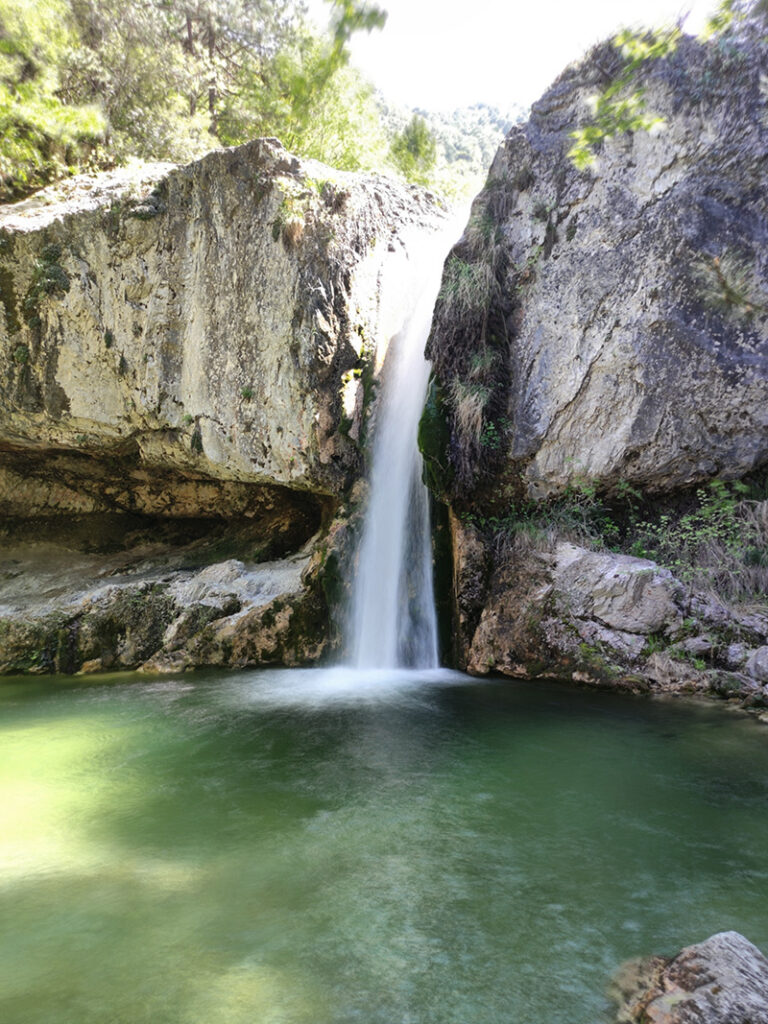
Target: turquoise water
317 848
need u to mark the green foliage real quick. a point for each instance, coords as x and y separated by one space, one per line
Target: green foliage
413 151
40 135
491 437
21 354
621 107
328 116
246 393
732 283
466 140
708 542
92 82
48 278
722 19
654 644
309 97
85 84
578 514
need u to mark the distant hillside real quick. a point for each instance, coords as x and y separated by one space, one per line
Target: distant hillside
467 139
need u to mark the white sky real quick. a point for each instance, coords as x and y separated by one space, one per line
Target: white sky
439 54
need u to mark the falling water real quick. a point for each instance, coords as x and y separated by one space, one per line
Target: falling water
393 619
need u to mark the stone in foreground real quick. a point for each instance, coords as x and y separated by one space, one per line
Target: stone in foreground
723 980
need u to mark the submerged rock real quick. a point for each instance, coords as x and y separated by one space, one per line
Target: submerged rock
723 980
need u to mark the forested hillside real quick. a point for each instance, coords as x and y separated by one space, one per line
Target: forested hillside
87 84
465 141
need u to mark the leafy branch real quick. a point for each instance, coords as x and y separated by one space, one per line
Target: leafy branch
621 106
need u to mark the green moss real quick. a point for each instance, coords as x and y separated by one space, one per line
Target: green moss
143 615
21 354
332 581
150 207
43 646
433 438
9 301
442 554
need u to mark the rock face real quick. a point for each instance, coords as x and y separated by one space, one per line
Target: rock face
599 333
723 980
95 593
210 322
194 345
612 324
549 608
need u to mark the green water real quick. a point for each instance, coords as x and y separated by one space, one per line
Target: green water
308 848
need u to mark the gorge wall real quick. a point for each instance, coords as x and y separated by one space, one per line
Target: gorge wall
188 345
600 349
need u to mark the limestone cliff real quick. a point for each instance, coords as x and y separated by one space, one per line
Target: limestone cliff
197 343
613 323
211 322
603 333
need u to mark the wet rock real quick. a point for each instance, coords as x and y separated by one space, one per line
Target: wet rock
65 610
723 980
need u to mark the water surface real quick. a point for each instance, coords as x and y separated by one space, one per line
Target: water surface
325 848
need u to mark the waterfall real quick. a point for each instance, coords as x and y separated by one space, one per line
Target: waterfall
393 621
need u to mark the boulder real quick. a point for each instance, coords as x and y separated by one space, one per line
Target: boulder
547 608
600 352
757 665
723 980
632 595
174 340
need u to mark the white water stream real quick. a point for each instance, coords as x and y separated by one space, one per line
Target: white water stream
393 622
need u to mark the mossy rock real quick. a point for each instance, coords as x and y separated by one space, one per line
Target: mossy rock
434 438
